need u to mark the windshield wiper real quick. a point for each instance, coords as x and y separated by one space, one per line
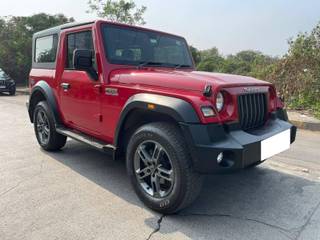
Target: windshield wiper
177 66
147 63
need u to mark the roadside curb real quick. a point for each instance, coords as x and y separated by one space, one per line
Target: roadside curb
22 91
306 125
303 120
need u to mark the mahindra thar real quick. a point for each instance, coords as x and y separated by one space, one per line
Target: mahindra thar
134 92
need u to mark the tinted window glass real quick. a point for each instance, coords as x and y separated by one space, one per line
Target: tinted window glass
46 49
2 74
134 46
81 40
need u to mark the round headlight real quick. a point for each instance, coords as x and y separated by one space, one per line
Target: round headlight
219 101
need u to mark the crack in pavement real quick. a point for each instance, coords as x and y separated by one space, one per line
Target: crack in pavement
23 181
10 189
284 231
157 229
302 228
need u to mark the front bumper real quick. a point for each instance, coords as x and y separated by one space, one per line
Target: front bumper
4 89
7 87
240 148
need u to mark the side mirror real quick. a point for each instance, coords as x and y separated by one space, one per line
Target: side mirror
82 60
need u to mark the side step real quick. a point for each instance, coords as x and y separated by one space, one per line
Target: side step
81 137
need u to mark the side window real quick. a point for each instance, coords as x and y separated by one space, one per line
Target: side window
46 49
80 40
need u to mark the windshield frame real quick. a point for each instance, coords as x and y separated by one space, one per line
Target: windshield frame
144 63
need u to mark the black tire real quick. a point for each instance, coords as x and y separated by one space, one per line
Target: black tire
254 165
187 183
54 140
12 91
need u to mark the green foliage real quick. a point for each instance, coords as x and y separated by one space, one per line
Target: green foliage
297 74
211 60
195 55
248 63
118 11
16 41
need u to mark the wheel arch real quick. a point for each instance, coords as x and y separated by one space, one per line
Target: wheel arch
43 92
145 108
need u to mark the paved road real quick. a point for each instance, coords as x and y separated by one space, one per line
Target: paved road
79 193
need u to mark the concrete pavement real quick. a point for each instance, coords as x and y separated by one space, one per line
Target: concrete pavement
78 193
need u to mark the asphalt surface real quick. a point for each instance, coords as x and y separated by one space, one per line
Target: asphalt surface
78 193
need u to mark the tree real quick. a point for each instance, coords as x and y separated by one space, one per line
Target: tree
210 53
118 11
297 74
248 56
16 41
211 60
196 55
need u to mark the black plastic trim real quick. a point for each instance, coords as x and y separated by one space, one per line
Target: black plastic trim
48 94
205 142
282 114
176 108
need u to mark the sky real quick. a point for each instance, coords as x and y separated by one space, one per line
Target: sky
229 25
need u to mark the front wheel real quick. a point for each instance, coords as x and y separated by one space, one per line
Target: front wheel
45 129
160 168
12 91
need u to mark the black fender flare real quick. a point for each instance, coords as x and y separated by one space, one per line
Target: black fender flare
46 91
177 108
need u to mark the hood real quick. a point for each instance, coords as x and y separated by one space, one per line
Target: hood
184 80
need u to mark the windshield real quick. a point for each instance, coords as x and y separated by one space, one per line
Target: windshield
3 75
137 47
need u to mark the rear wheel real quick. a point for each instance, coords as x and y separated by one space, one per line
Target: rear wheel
45 130
160 169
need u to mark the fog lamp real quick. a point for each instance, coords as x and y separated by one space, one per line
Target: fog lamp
220 157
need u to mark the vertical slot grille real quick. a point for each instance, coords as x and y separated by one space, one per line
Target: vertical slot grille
252 109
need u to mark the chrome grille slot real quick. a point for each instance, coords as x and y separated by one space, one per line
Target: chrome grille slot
252 109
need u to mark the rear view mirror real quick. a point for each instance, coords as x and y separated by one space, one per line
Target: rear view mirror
82 60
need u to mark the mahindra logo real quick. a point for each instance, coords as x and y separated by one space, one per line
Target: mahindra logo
251 89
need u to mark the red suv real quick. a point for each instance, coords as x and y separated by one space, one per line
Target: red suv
134 92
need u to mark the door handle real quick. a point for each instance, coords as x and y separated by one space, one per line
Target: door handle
65 86
98 87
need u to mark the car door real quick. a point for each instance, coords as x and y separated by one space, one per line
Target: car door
80 99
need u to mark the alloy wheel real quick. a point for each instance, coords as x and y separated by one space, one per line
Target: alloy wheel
43 128
153 169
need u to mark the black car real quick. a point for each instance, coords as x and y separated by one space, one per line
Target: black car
7 84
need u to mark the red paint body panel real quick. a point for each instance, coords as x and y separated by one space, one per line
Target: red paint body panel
87 108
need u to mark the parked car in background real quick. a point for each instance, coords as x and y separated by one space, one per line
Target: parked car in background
7 84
